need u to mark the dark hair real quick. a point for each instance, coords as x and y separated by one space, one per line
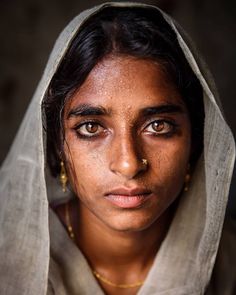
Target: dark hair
139 32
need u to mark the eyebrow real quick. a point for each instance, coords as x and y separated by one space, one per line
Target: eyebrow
162 109
88 110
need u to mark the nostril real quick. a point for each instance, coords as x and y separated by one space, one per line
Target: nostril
128 168
125 158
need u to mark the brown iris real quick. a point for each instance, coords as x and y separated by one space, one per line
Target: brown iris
91 127
158 126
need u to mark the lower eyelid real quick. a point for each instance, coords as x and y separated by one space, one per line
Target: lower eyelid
87 133
85 136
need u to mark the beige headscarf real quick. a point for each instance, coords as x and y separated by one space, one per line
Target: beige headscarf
183 264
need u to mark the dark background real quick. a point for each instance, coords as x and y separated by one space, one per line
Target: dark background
28 29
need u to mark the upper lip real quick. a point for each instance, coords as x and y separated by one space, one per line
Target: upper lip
128 191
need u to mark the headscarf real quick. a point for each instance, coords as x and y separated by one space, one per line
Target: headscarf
184 262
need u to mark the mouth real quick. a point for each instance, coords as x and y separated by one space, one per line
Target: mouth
128 198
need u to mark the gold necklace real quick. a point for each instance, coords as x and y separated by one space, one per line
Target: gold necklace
96 274
122 286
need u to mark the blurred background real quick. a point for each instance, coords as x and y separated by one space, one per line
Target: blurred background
29 28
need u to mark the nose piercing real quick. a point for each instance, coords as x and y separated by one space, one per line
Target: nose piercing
144 162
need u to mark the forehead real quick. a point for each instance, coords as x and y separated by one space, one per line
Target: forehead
125 82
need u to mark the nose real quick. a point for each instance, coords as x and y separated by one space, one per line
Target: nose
125 157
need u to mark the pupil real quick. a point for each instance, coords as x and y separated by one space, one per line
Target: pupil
157 126
91 128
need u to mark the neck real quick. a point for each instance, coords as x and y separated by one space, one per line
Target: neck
129 252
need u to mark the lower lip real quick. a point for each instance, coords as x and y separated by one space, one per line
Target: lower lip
124 201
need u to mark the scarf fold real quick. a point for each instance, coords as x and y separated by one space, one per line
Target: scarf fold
186 258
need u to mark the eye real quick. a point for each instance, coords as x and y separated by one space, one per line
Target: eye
89 129
160 127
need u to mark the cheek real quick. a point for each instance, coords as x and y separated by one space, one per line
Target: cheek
169 163
84 165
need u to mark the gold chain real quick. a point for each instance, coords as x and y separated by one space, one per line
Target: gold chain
122 286
96 274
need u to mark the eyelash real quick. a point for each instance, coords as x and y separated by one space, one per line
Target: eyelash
83 136
171 125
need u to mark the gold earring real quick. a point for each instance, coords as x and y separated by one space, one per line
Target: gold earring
187 179
145 162
63 177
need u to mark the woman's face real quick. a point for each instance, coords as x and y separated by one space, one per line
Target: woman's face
127 110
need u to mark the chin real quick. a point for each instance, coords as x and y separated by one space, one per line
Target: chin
131 221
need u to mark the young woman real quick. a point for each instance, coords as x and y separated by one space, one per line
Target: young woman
118 179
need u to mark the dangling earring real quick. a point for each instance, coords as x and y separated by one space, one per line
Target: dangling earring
187 179
63 177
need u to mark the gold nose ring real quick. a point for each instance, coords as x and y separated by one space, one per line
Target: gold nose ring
144 162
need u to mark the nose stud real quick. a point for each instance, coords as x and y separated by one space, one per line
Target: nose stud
144 162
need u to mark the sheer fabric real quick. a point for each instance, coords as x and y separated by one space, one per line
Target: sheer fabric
184 263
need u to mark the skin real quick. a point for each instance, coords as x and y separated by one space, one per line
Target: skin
124 87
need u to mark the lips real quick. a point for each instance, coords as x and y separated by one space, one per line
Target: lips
128 198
